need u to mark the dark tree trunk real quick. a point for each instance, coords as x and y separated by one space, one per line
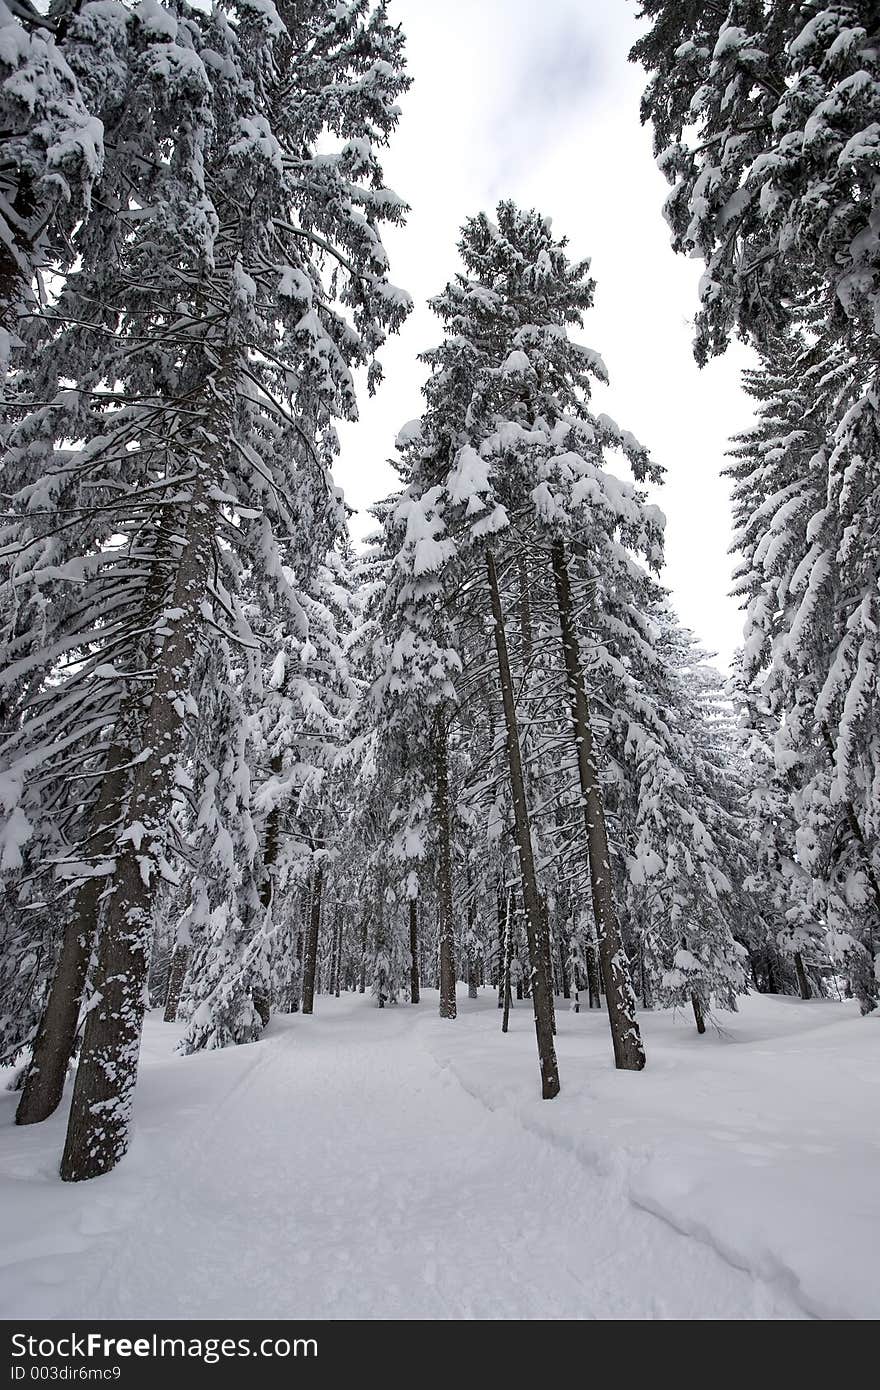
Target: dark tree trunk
310 961
505 965
176 977
414 951
547 952
362 978
271 841
564 962
501 924
699 1014
531 899
100 1112
379 980
302 910
446 945
643 980
300 952
53 1047
471 952
334 958
803 982
629 1053
339 938
593 981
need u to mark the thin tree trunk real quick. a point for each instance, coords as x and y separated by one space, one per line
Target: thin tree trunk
699 1014
334 946
380 979
593 982
547 952
302 912
271 842
176 977
643 977
501 924
531 899
362 981
310 963
505 966
471 953
446 944
297 984
803 982
53 1047
340 934
565 960
100 1112
629 1053
414 950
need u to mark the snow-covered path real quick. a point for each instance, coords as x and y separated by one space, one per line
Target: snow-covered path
346 1167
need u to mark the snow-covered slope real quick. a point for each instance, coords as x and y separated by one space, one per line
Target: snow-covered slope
386 1164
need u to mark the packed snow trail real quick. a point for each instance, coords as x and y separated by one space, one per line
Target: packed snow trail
345 1167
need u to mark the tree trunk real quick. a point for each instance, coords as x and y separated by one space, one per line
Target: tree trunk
593 982
699 1014
100 1112
176 977
505 966
362 980
334 947
643 978
629 1053
471 952
565 962
310 963
302 913
271 841
548 959
531 900
414 950
446 944
501 924
339 938
53 1047
803 982
297 984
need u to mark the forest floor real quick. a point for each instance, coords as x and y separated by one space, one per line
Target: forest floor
385 1164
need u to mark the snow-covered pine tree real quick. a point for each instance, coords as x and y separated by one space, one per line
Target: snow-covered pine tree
793 934
684 813
215 316
508 417
765 120
796 660
412 658
228 964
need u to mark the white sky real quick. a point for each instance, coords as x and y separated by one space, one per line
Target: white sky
536 101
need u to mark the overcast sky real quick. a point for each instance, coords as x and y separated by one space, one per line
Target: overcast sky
536 101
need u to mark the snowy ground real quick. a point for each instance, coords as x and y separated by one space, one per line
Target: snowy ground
387 1165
